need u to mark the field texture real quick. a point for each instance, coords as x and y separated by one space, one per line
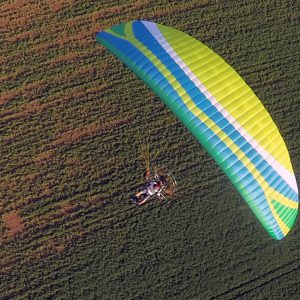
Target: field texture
72 122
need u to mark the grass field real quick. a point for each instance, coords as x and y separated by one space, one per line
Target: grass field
70 156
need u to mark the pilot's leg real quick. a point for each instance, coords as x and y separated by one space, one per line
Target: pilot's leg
138 194
145 200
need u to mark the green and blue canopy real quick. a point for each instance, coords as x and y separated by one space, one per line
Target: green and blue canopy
219 109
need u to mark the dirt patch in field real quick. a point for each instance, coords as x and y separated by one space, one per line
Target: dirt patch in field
78 134
7 96
13 222
67 208
44 157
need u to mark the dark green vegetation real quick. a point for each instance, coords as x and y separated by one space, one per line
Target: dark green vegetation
71 120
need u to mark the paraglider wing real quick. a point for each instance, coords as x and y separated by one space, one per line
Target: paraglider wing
219 109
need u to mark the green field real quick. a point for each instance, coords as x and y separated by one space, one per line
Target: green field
71 121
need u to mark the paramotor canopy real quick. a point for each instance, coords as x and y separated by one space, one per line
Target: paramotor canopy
219 109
